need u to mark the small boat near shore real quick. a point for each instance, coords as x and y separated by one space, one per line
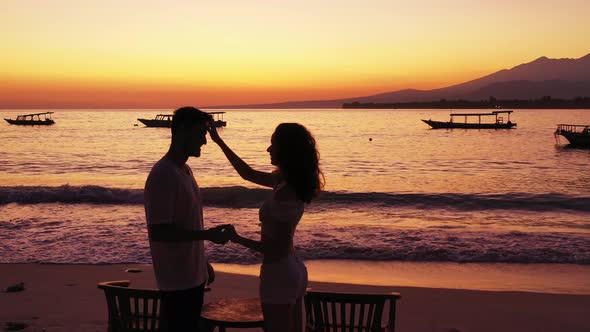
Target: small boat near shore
218 119
165 120
577 135
35 119
161 120
497 124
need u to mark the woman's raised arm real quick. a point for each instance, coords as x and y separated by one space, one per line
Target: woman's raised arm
244 170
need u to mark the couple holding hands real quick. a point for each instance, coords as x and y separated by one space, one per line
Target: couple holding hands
174 215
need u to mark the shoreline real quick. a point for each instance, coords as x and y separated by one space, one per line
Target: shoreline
61 297
285 109
546 278
520 277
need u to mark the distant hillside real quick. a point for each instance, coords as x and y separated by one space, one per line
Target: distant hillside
531 90
491 103
559 78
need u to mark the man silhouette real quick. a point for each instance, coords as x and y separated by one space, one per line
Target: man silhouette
174 215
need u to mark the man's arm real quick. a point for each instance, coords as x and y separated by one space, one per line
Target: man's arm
170 233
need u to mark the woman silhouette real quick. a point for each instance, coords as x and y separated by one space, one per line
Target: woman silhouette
296 180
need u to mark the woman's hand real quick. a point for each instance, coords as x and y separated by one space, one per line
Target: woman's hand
213 134
232 235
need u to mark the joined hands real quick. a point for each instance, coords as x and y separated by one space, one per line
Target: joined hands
222 234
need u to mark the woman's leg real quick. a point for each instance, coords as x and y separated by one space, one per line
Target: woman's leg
277 317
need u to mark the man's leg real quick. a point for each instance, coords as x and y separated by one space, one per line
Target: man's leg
181 310
277 317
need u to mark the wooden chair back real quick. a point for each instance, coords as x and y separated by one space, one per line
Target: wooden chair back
327 311
132 310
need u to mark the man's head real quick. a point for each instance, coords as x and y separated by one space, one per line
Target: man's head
189 130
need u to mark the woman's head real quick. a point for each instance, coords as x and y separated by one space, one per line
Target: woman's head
293 150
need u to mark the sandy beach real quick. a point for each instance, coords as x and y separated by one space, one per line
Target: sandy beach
65 298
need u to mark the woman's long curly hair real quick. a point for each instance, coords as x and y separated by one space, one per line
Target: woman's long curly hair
298 160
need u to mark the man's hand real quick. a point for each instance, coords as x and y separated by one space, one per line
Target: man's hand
211 273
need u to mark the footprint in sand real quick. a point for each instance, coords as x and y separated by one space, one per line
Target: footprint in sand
14 326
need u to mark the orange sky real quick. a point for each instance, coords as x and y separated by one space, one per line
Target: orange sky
161 54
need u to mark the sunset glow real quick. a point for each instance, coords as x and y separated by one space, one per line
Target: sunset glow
142 54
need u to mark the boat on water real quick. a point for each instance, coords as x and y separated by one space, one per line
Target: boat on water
35 119
161 120
165 120
218 119
498 122
577 135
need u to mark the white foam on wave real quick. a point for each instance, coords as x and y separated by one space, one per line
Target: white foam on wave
97 234
242 197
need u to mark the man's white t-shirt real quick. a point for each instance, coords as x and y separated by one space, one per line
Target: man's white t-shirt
172 196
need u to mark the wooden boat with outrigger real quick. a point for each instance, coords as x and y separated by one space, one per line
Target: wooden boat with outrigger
165 120
218 119
497 124
35 119
577 135
161 121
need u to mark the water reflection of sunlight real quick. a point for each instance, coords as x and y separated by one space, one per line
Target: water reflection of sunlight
403 155
554 278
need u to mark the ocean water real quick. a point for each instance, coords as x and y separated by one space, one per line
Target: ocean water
396 190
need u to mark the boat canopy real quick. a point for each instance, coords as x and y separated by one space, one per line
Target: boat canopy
44 113
32 116
494 113
573 128
171 115
218 118
499 119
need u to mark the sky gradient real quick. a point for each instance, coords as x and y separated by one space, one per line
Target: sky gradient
162 54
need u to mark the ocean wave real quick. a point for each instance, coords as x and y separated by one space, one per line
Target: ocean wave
407 245
242 197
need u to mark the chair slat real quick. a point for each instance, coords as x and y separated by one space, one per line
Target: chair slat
343 316
114 319
378 316
309 314
334 321
135 313
325 318
351 322
146 313
361 317
369 322
391 320
154 315
317 313
125 311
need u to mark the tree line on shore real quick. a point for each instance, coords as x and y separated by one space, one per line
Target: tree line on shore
546 102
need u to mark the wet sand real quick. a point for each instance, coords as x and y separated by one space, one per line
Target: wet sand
65 298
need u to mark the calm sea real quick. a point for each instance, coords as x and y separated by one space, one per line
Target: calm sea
396 190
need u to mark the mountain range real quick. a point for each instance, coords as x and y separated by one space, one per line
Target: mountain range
559 78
